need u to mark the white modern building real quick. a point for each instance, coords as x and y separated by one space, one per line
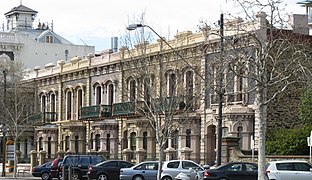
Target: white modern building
35 44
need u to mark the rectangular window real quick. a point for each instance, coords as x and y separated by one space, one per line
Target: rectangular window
49 39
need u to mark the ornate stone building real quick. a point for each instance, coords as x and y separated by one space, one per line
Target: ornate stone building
97 104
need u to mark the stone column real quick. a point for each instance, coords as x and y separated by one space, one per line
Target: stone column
33 158
42 156
227 143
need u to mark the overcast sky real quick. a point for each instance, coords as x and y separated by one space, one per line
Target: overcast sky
94 22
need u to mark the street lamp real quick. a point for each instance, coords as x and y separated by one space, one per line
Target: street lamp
135 26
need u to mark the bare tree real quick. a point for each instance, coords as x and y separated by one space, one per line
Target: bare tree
16 102
165 90
272 57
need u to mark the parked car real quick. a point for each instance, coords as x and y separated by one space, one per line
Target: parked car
107 170
172 168
54 171
42 171
78 165
143 171
233 170
286 170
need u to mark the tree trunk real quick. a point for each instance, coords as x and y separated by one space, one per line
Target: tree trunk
160 161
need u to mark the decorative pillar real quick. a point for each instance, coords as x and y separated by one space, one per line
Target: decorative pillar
186 153
33 158
127 154
170 153
42 157
227 143
140 155
18 155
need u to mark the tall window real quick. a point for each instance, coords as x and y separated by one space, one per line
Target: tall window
69 105
108 143
147 87
125 139
110 94
240 136
43 103
98 95
172 84
133 143
49 147
132 90
40 143
53 106
66 143
145 141
76 144
79 101
189 88
188 138
97 142
175 139
25 148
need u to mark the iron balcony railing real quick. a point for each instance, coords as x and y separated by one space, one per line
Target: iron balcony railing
95 111
43 118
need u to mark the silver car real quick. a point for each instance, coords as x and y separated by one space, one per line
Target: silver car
289 170
144 171
172 168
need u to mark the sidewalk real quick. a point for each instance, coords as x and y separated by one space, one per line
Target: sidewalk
25 176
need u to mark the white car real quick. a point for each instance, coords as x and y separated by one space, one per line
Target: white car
289 170
171 169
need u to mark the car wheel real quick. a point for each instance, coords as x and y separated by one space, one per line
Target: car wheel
138 178
45 176
75 176
166 178
102 177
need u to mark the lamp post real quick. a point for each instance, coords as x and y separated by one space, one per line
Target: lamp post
3 124
220 93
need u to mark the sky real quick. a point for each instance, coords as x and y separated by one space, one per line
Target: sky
94 22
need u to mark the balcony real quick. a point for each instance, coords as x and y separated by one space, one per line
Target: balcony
124 108
95 111
173 103
43 118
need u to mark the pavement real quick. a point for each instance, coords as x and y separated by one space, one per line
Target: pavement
25 176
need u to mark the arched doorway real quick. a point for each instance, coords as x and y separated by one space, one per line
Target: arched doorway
211 145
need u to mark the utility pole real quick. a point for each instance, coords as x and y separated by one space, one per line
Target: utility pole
220 93
3 124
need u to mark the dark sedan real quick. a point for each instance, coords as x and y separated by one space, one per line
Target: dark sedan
233 171
108 170
42 171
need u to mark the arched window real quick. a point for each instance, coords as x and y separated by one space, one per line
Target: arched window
172 84
66 143
53 107
132 90
69 105
79 101
97 142
110 94
125 139
98 96
49 147
43 103
147 94
40 143
25 148
189 89
145 141
175 139
108 144
188 138
133 143
240 136
76 144
91 141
